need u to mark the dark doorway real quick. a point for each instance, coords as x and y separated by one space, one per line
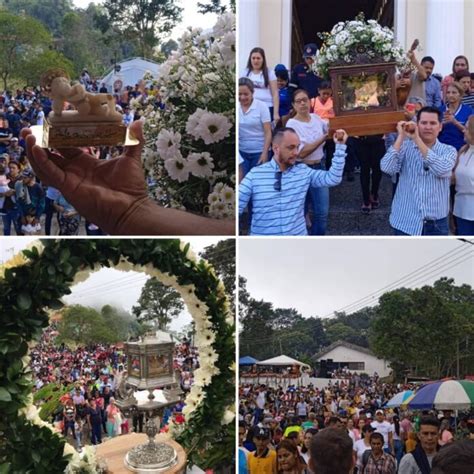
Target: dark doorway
312 17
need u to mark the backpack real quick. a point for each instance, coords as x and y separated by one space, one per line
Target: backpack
365 458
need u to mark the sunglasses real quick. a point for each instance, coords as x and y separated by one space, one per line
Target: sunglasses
277 185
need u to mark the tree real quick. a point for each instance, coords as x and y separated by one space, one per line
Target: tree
168 47
257 336
158 303
222 258
36 66
82 325
426 330
49 12
20 37
215 6
144 21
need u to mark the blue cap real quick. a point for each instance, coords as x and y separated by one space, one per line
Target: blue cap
309 50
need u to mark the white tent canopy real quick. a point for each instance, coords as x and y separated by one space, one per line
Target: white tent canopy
131 72
282 360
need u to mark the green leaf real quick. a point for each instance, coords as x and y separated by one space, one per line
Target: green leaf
51 270
64 255
24 300
5 395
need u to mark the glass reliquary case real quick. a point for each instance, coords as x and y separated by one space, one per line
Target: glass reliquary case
365 98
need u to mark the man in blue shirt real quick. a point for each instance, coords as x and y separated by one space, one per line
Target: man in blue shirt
278 188
432 85
421 203
302 76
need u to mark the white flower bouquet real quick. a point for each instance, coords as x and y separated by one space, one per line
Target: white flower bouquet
189 155
357 41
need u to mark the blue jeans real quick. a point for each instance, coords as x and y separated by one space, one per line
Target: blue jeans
12 216
398 445
464 226
250 160
433 227
319 199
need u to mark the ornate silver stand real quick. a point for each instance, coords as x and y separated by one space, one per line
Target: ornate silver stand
151 458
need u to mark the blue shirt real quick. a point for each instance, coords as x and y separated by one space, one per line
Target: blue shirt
286 96
422 194
451 134
282 212
303 77
433 92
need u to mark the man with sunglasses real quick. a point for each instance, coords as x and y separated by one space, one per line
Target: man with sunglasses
278 188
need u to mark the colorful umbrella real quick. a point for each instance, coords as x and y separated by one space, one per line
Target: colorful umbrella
443 395
399 399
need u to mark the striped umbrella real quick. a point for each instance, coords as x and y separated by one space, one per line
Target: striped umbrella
443 395
399 399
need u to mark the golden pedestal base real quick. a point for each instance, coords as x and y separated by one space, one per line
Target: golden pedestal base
74 134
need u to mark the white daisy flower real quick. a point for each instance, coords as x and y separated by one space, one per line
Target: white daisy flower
167 144
213 128
177 168
200 164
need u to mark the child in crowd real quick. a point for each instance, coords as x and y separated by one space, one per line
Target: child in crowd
285 92
29 226
3 187
464 78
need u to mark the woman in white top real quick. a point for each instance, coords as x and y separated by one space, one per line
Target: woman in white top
312 132
264 81
464 180
362 445
255 130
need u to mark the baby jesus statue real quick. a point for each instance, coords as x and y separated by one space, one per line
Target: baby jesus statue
88 107
94 120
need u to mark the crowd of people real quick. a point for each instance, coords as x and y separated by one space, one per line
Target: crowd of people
279 430
27 206
284 123
91 377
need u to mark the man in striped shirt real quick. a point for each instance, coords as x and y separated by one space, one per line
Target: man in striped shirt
421 203
278 188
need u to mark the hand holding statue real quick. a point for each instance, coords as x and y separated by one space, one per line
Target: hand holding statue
113 193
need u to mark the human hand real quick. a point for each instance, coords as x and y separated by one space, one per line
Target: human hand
411 130
263 158
448 117
401 129
340 136
102 191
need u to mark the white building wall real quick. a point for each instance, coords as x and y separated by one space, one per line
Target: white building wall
372 363
444 28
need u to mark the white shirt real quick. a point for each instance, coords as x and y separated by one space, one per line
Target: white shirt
261 92
360 447
384 429
251 134
309 132
40 118
464 173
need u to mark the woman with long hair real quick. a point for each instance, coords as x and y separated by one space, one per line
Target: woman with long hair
362 445
460 63
312 132
463 177
255 131
455 116
264 80
445 436
288 459
397 438
308 436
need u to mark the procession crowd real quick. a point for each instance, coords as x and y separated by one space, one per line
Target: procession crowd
91 378
27 205
345 428
288 161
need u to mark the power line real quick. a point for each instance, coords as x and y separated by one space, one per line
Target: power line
460 258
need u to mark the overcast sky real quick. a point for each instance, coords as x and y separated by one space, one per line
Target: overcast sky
108 286
191 17
319 276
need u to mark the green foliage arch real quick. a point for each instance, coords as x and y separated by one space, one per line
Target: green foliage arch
38 279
